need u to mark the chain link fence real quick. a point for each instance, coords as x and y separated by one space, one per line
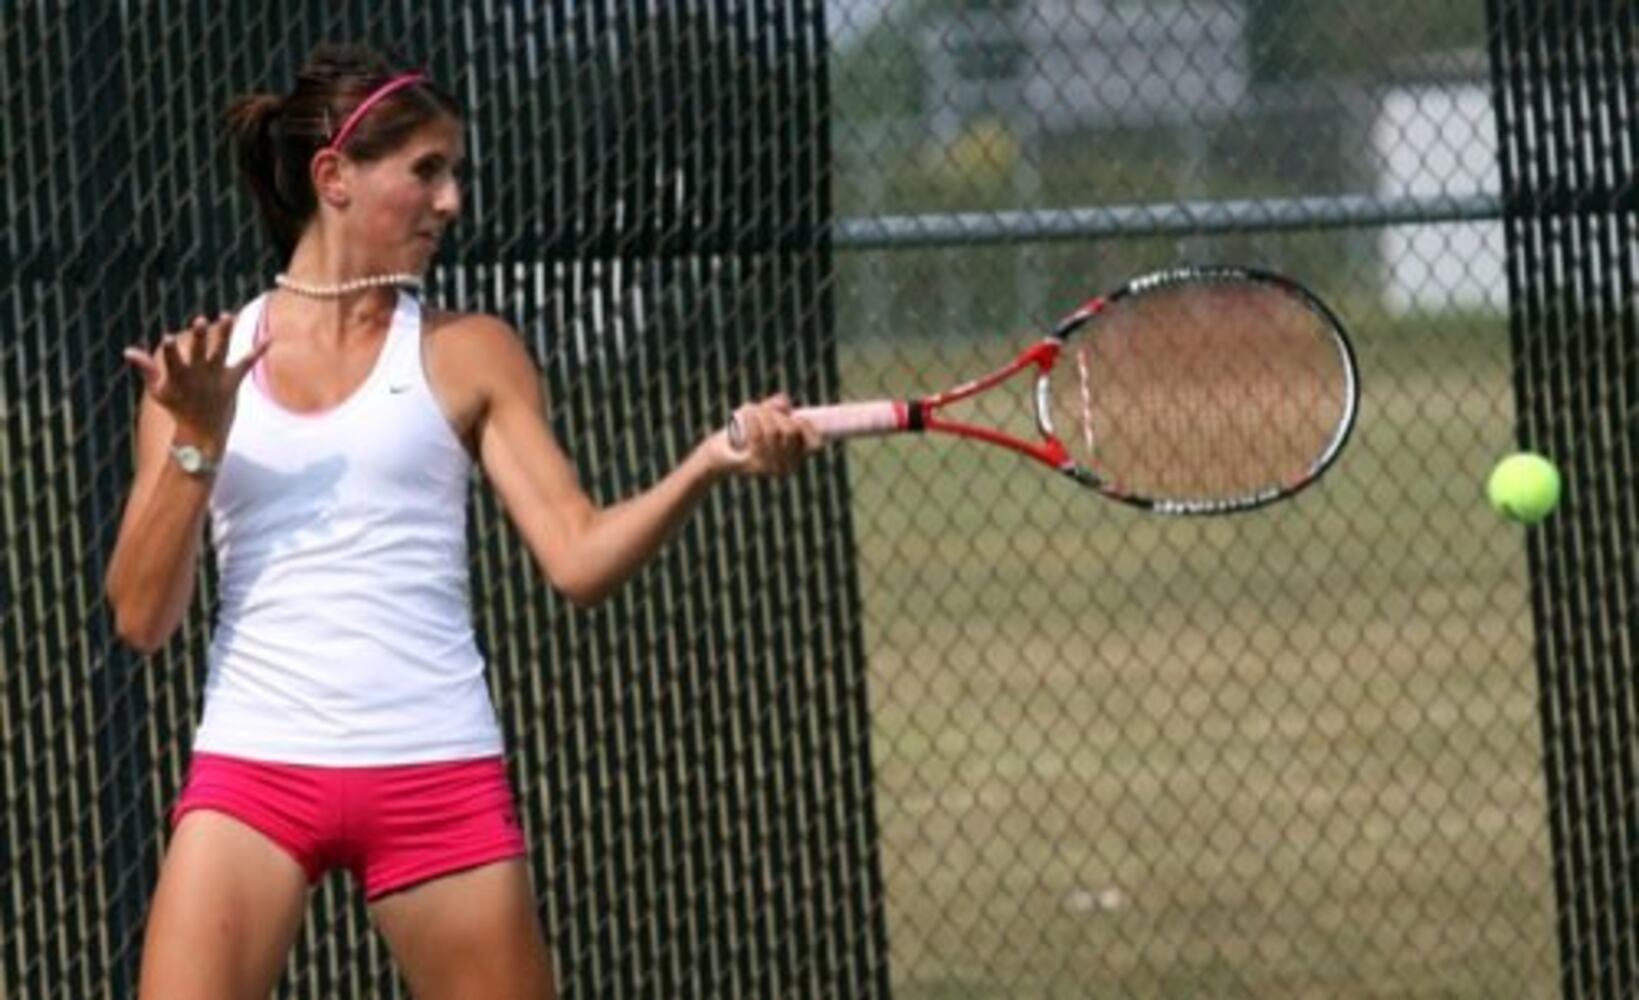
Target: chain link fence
1289 754
922 721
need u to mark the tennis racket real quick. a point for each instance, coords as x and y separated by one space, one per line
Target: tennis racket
1193 391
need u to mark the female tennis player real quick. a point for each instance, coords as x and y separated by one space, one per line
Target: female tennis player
328 429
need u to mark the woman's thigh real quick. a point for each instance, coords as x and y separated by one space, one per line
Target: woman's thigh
474 933
225 913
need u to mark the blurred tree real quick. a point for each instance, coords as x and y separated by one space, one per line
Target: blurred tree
879 74
1310 39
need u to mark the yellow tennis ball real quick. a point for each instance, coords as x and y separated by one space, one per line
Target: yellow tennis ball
1524 487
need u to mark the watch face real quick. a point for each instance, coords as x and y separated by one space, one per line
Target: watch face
190 458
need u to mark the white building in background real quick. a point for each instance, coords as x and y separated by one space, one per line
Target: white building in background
1136 62
1046 67
1065 65
1440 140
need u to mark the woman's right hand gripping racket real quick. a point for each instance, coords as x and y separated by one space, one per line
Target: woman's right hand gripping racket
1200 390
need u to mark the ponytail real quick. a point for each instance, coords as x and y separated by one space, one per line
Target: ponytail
253 123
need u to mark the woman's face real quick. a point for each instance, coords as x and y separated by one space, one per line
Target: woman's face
400 205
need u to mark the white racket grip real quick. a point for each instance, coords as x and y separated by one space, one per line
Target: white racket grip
849 420
843 420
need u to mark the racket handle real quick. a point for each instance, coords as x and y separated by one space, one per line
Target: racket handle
843 420
847 420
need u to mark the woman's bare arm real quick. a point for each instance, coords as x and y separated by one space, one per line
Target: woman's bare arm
586 550
188 401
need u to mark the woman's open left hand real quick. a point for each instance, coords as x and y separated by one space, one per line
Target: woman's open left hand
188 374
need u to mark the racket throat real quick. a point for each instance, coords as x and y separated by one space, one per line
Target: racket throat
916 415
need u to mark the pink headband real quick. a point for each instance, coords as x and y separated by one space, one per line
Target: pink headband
378 95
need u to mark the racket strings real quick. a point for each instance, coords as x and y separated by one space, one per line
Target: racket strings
1204 391
1084 382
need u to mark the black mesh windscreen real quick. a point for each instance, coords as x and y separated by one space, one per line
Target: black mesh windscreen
1567 89
649 187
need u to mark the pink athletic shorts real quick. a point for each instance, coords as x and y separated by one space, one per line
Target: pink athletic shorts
392 827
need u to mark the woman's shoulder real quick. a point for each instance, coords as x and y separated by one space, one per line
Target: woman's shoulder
471 335
473 353
453 324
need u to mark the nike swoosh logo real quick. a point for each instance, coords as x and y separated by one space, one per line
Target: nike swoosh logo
396 389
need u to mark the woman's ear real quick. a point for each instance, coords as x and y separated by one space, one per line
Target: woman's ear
329 172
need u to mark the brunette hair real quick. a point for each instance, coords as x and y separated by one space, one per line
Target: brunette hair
275 136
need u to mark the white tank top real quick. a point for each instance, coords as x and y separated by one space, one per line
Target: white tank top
344 631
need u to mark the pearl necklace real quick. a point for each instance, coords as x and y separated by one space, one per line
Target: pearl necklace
345 288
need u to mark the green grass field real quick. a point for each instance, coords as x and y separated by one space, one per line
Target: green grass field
1288 754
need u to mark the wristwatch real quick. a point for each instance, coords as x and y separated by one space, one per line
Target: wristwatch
192 460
